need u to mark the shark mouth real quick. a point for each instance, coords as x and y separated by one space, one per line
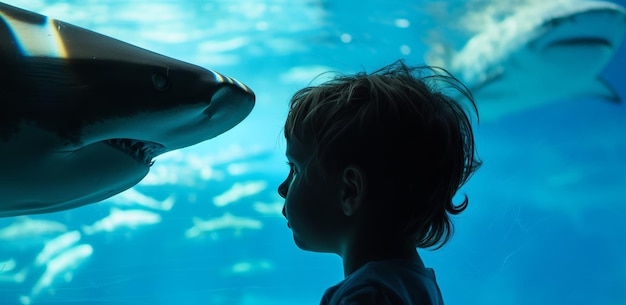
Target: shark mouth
142 151
582 41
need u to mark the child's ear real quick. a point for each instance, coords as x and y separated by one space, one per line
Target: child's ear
353 183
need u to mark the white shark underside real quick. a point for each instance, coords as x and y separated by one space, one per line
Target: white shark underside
542 54
83 114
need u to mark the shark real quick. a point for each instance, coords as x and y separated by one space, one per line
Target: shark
225 222
238 191
119 218
133 197
25 229
544 53
55 246
59 269
8 275
84 115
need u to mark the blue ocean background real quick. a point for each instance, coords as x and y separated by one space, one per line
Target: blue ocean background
546 222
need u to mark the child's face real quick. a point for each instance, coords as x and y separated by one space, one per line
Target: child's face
312 205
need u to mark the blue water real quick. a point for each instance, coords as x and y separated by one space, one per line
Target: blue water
545 224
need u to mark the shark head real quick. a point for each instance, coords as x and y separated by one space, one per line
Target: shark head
586 34
541 54
85 114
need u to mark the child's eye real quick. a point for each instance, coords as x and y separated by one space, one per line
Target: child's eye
292 168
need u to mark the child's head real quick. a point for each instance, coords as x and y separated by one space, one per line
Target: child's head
413 143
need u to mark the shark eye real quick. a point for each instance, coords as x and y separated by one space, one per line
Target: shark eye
160 82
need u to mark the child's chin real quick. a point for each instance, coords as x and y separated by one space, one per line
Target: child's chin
300 243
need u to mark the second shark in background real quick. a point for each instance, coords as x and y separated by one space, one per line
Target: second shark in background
541 54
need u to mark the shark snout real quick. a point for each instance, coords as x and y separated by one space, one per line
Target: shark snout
228 106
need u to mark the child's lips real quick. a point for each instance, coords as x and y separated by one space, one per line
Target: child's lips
285 215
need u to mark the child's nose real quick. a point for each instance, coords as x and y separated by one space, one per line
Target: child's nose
282 190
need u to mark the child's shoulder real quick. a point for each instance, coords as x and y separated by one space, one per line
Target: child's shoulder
388 282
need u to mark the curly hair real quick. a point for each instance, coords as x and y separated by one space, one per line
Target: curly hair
413 140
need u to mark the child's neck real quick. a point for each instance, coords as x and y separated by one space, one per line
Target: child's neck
356 255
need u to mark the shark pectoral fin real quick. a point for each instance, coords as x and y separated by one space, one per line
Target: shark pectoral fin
603 90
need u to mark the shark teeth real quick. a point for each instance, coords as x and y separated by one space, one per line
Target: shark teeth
142 151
